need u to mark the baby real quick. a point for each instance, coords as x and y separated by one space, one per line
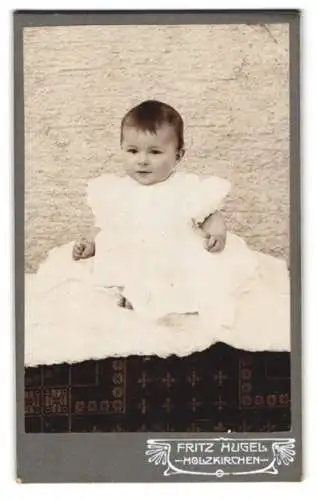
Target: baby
152 141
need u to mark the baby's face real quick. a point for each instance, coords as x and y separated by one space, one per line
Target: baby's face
150 158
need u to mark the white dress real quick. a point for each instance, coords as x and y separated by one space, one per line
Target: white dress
148 248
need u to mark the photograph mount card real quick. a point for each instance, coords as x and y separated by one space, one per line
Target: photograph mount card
157 237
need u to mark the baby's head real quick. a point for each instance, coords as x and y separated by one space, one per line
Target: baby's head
152 137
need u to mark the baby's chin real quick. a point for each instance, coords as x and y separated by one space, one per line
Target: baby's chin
147 178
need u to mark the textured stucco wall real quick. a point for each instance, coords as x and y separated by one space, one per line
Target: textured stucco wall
230 82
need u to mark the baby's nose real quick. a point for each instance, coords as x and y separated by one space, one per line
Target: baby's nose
143 159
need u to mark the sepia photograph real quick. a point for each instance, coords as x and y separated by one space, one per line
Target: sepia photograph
157 228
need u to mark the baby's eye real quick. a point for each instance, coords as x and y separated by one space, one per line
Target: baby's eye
132 150
156 152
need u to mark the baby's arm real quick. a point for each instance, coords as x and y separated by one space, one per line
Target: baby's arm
214 232
85 248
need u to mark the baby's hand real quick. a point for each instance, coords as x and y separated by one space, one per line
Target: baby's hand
214 233
215 243
83 249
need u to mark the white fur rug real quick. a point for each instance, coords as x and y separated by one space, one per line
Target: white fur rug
262 321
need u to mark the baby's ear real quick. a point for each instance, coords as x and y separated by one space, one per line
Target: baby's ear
180 154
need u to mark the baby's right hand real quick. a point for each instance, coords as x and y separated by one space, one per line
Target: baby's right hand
83 249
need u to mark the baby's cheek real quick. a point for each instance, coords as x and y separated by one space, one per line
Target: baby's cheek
162 162
130 164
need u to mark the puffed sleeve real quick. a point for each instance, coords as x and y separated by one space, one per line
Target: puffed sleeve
208 197
99 197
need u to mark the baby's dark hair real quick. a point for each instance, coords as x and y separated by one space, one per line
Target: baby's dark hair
150 115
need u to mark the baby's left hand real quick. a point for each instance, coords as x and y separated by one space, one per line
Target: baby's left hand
215 243
214 233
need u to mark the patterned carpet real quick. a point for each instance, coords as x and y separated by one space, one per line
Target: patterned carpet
217 390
